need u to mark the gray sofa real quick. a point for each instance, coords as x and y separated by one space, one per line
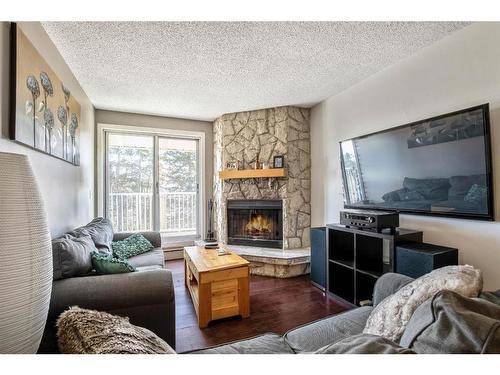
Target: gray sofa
457 193
469 325
146 296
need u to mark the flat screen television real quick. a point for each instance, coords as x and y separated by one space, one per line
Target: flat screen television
438 166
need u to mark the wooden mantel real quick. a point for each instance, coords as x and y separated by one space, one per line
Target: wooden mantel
252 173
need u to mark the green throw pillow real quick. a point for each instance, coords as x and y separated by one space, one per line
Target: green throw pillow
131 246
106 264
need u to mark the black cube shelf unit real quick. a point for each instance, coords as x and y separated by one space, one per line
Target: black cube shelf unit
357 258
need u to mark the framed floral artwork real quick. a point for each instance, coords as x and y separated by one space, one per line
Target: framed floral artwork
44 115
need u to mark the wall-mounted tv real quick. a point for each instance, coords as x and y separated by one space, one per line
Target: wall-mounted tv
438 166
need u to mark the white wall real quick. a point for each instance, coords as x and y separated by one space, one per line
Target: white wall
67 190
460 71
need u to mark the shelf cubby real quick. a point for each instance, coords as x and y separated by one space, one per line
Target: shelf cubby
364 287
342 246
337 275
369 254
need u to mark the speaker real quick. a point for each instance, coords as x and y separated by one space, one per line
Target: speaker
318 257
416 259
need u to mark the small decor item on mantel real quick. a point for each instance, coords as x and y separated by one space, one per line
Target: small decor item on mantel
257 164
232 165
278 161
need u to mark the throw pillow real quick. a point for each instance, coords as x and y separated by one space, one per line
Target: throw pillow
470 325
364 344
460 185
392 196
131 246
71 256
390 317
101 231
106 264
81 331
476 194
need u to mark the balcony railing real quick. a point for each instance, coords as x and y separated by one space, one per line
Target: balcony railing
134 212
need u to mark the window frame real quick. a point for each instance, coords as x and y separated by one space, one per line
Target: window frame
103 130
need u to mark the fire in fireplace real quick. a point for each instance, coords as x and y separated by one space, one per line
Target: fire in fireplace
255 223
258 226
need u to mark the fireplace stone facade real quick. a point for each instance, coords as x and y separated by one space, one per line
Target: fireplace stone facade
263 134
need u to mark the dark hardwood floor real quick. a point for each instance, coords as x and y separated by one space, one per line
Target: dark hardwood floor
276 305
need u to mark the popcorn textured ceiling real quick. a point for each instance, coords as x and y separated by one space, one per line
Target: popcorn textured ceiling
201 70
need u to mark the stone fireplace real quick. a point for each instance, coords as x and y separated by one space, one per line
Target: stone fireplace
255 223
245 137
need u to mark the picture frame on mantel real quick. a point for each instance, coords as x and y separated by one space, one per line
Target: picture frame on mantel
232 165
279 161
44 116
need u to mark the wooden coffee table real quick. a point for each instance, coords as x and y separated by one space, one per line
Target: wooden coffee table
219 284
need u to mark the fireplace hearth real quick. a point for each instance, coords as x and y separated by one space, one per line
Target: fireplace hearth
255 223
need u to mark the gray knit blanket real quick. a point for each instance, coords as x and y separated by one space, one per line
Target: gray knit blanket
82 331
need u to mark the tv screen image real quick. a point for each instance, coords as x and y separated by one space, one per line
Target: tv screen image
438 166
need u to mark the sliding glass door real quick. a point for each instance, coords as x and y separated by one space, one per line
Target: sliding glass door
152 183
130 182
178 186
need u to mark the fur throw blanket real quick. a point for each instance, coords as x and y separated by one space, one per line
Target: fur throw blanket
390 317
81 331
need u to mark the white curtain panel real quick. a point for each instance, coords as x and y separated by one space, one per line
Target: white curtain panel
25 257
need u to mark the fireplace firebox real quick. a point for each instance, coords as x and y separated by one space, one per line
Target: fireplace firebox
255 223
